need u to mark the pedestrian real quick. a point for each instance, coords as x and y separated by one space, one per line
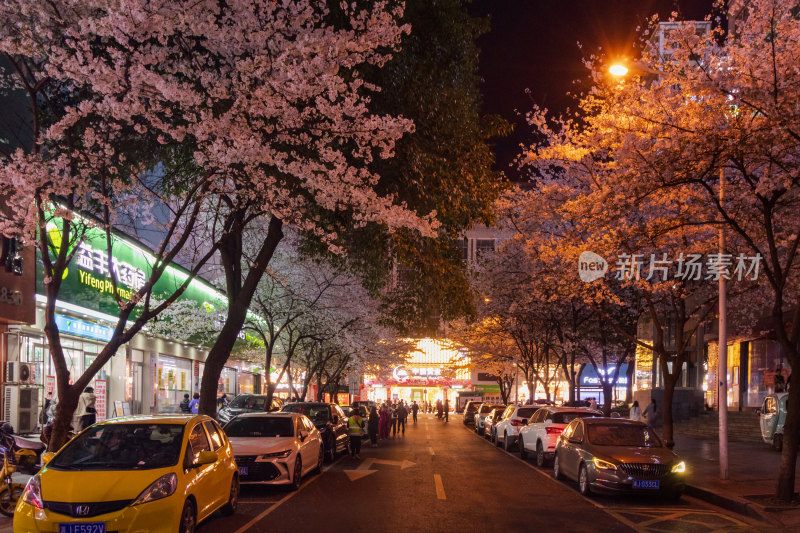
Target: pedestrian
652 414
780 382
402 417
414 409
185 405
592 404
223 401
394 420
439 409
383 429
194 405
86 411
636 412
355 428
45 408
373 426
446 409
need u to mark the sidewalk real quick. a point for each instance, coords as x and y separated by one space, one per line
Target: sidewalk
753 473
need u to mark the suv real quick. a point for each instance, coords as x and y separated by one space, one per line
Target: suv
506 431
247 403
481 414
331 422
469 412
541 434
491 419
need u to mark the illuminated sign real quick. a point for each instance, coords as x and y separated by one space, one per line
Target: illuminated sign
401 373
82 328
589 377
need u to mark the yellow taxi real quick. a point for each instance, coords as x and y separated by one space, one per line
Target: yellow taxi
133 474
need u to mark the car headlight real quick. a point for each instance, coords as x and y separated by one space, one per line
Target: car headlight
603 465
158 489
33 492
282 455
679 468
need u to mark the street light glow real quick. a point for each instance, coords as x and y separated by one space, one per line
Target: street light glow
618 70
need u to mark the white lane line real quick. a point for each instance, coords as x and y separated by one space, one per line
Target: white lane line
437 479
283 500
430 448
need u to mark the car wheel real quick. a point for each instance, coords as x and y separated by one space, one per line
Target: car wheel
583 481
523 453
320 460
507 445
557 469
540 459
297 476
188 518
233 499
777 442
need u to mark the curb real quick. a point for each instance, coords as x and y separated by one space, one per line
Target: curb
731 503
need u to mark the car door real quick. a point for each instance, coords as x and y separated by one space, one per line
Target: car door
768 418
532 430
200 477
341 425
575 448
314 440
565 448
302 440
222 475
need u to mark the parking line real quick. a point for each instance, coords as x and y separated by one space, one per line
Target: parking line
283 500
437 479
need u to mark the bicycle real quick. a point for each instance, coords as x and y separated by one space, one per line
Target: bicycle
10 492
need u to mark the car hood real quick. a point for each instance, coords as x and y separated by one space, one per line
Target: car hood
259 445
625 454
95 485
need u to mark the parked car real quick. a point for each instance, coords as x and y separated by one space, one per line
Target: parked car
492 418
331 422
469 412
506 431
771 417
481 414
143 473
541 433
247 403
275 448
616 455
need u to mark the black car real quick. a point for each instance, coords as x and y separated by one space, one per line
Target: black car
469 412
247 403
331 422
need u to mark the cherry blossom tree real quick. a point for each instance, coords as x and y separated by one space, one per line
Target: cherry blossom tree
234 114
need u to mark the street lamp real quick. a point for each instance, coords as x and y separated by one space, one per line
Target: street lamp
618 69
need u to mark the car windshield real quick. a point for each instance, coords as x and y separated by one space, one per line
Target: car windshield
566 418
249 402
317 413
260 426
122 447
623 435
472 407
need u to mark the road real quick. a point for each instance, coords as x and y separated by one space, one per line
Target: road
441 477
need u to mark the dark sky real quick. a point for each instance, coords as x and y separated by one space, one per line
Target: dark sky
534 44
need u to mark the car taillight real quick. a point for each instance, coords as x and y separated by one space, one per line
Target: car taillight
554 431
515 422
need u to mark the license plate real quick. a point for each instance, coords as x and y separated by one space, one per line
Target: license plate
646 484
86 527
242 471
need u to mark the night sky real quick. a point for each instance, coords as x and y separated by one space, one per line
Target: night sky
534 44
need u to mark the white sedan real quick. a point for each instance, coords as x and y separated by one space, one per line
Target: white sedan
541 433
275 448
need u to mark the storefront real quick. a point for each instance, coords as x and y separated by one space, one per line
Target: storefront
591 384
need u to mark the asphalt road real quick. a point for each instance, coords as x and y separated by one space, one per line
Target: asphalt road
441 477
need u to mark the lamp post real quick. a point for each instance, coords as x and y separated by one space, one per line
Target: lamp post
722 364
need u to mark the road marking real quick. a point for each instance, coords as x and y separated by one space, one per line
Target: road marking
283 500
363 469
437 479
430 448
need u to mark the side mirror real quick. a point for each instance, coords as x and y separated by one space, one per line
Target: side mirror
574 440
46 456
303 435
758 412
206 458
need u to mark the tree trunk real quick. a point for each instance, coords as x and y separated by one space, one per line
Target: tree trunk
669 391
629 386
608 390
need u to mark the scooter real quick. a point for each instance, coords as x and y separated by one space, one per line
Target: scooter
26 454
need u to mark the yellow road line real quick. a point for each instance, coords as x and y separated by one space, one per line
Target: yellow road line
437 479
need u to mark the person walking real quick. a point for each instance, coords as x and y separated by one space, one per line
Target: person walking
194 405
185 405
373 426
393 414
355 428
652 414
414 410
383 429
636 412
86 411
592 404
446 409
402 417
439 409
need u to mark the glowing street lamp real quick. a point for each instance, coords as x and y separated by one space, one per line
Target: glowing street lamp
618 70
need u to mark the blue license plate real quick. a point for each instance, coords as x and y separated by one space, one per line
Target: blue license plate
242 471
86 527
652 484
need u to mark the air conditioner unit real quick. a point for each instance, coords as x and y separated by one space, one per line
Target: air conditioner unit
22 373
21 408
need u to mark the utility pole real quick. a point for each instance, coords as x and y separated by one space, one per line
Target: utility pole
722 366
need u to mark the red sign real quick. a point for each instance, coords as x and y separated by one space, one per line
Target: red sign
49 386
100 399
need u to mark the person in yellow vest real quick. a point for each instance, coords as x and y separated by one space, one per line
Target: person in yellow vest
355 428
